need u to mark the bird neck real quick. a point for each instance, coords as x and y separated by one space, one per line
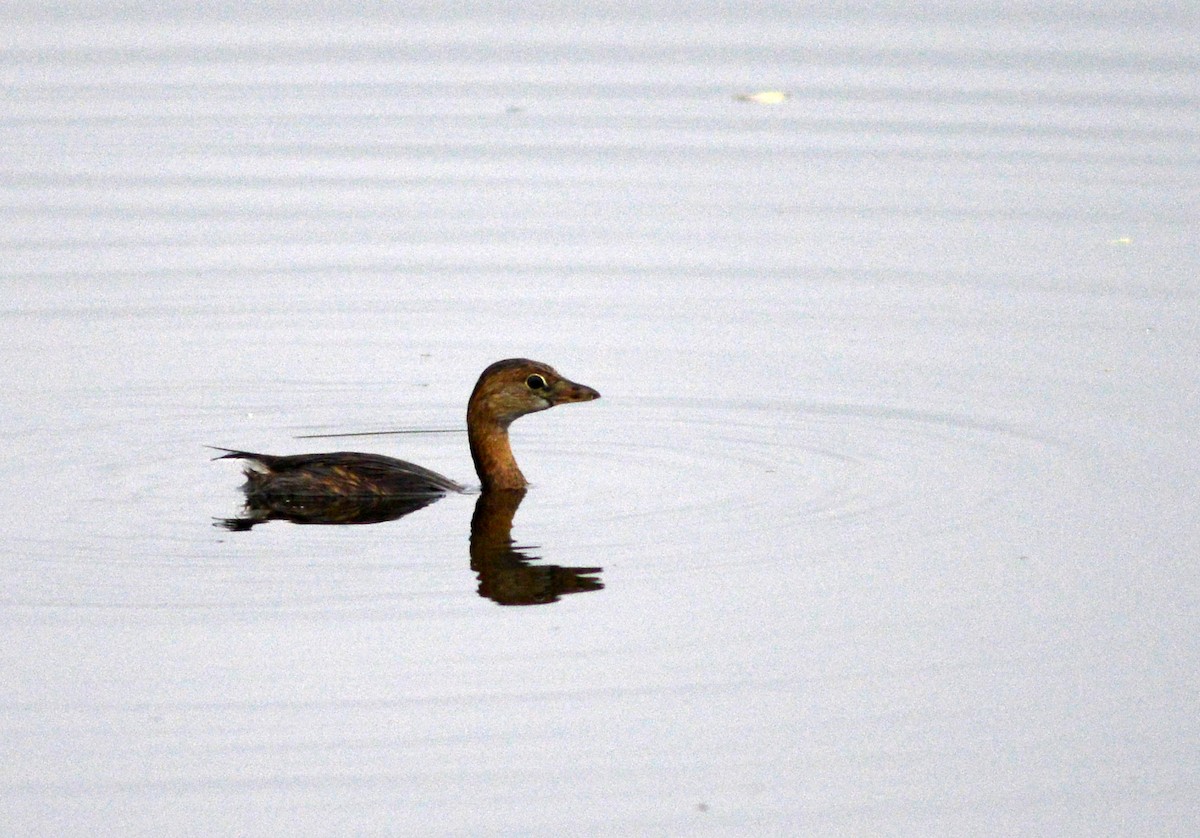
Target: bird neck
492 453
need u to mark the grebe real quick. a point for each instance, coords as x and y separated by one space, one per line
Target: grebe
506 390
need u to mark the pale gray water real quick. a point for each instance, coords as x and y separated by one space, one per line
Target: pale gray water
893 481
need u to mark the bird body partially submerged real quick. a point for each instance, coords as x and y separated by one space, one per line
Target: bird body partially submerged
504 392
337 474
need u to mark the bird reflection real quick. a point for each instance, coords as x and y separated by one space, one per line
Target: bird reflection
358 509
507 573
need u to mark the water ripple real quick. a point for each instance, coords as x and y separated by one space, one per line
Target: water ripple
695 471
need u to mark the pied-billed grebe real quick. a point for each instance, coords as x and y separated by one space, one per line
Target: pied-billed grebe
505 391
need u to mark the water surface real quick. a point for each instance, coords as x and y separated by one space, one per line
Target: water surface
892 484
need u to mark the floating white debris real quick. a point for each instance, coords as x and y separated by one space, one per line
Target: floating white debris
765 97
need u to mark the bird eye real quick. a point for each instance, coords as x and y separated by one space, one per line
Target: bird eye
535 382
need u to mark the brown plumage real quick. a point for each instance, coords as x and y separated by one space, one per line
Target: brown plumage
505 391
